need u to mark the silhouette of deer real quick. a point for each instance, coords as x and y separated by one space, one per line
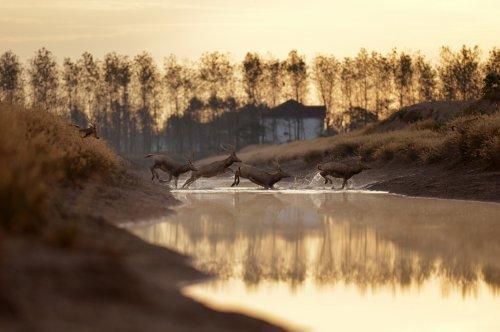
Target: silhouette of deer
258 176
340 170
86 132
170 166
214 168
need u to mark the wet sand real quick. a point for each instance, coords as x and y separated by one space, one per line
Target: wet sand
105 279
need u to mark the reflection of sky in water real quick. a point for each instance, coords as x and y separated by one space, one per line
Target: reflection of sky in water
360 247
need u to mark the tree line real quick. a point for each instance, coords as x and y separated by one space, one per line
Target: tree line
140 107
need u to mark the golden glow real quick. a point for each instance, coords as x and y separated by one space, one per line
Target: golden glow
342 261
190 27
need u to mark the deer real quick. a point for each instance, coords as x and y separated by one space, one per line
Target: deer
170 166
214 168
91 130
258 176
340 170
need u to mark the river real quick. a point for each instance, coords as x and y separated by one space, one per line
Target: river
322 261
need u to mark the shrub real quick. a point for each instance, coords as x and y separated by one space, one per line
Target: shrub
37 150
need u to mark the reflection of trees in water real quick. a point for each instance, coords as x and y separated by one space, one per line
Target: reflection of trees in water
366 240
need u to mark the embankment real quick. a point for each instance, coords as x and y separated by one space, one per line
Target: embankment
64 265
440 149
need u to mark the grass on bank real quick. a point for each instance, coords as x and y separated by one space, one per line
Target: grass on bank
38 151
464 139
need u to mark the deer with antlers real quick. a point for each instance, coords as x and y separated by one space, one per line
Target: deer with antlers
89 131
214 168
258 176
343 171
170 166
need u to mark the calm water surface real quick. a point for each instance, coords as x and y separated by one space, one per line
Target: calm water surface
342 261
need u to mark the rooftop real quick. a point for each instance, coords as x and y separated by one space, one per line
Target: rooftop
294 109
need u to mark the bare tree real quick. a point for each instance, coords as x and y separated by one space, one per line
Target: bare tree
216 73
253 71
403 77
426 79
467 72
363 67
70 77
296 70
382 82
493 63
460 73
44 80
326 70
11 83
148 83
174 80
274 81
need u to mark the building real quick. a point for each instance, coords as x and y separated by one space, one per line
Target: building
292 121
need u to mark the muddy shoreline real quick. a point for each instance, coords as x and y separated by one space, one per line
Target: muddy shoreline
109 279
441 180
105 278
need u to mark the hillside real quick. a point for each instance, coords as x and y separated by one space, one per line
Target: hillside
64 263
459 138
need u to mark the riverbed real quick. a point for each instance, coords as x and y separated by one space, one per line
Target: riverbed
319 260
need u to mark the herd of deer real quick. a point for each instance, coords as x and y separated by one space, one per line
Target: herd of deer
260 177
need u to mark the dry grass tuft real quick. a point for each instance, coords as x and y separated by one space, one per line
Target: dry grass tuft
466 139
38 150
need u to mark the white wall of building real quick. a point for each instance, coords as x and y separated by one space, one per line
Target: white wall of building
286 130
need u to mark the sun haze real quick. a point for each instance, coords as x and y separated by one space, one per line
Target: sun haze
191 27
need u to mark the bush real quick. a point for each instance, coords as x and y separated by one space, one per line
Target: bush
472 139
37 150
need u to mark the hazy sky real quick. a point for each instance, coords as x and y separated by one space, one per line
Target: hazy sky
190 27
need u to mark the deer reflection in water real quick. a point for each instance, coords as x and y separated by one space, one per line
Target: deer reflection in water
369 241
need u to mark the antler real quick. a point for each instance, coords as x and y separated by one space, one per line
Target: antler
190 157
227 147
277 163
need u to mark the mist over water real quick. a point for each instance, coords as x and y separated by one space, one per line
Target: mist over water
323 261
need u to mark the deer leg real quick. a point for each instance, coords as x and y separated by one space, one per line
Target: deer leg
176 179
236 179
152 169
344 183
188 182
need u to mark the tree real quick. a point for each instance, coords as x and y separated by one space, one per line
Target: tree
460 73
173 82
116 72
382 82
296 71
11 83
403 78
274 81
491 82
252 70
148 83
363 67
44 80
347 80
70 77
467 72
325 76
216 74
90 77
426 79
493 63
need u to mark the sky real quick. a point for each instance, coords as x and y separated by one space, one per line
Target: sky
188 28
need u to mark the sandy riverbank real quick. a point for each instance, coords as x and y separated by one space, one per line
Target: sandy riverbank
106 279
